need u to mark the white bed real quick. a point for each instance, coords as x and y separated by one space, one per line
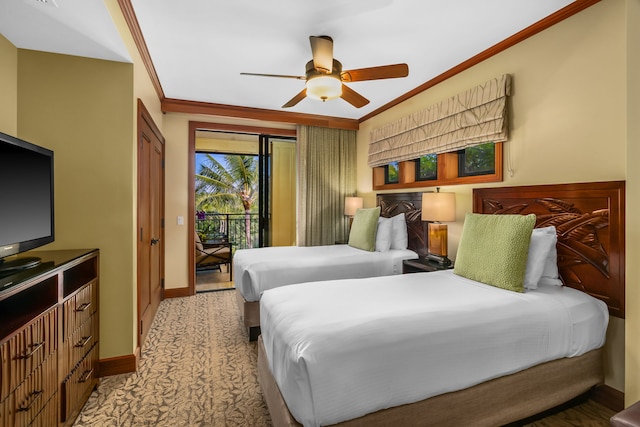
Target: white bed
341 349
515 329
257 270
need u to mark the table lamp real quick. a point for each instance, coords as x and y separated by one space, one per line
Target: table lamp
437 207
351 205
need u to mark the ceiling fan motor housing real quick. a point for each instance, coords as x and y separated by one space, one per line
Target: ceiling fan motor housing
312 71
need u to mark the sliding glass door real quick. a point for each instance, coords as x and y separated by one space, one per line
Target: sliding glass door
247 191
277 194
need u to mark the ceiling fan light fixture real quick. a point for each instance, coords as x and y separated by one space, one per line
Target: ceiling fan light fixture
324 87
324 81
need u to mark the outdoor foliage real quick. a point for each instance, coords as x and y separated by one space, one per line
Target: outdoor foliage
392 172
428 167
227 186
479 159
230 186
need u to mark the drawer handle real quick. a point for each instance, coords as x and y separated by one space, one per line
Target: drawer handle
83 307
83 341
36 346
85 376
31 399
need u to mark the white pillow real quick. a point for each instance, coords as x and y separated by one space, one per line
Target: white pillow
399 237
383 234
543 240
550 275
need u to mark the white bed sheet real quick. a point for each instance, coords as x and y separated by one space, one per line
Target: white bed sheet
259 269
341 349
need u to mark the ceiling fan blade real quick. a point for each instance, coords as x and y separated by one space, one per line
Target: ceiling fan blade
275 75
353 97
322 51
375 73
299 97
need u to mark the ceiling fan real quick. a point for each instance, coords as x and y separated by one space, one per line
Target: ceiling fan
325 79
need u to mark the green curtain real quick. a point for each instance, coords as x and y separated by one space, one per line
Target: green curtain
326 175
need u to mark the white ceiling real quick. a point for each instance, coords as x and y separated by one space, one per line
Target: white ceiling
200 47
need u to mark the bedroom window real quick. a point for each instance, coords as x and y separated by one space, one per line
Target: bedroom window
478 160
391 173
427 167
473 165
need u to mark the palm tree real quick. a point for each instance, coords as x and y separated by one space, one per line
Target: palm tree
228 188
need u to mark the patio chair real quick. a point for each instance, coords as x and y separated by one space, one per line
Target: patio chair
212 255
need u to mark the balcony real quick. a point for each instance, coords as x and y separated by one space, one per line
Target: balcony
212 227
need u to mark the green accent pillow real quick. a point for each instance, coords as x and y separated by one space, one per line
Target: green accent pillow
363 229
493 249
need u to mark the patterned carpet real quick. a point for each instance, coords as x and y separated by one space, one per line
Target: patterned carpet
197 369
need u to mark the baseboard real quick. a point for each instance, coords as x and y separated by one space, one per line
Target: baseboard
119 365
176 292
608 396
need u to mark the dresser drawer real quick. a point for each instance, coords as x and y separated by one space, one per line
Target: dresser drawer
33 394
30 346
79 307
81 381
49 415
4 417
81 341
5 378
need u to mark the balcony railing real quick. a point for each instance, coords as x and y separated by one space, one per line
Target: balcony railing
215 226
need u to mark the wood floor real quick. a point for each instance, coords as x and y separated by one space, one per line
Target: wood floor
580 412
213 280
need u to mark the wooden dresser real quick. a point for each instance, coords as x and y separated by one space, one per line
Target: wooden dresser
49 339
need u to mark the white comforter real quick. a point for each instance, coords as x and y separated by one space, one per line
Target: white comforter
256 270
341 349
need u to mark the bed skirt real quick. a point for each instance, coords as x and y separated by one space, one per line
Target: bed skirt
496 402
250 314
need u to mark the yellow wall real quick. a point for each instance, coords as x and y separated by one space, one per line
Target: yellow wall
144 91
632 379
177 237
568 121
227 146
8 87
81 109
283 193
86 111
143 88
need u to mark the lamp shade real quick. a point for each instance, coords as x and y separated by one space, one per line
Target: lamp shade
352 204
438 206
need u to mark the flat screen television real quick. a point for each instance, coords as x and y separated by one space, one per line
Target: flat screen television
26 201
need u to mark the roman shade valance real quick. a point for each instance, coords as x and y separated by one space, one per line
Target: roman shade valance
473 117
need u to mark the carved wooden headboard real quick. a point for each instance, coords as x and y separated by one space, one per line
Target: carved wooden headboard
392 204
590 223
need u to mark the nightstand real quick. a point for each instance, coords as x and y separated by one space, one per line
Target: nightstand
421 265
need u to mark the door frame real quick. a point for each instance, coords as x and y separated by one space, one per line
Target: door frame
191 186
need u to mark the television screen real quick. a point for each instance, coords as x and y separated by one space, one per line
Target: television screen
26 196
